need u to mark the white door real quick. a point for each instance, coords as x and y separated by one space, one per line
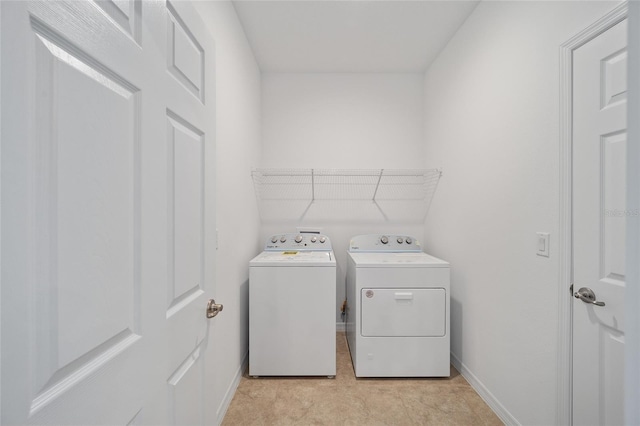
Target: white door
187 130
107 212
599 159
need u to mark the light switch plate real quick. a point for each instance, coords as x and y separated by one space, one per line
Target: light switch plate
543 244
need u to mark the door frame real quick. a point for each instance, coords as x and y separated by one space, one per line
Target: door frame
565 237
632 295
0 213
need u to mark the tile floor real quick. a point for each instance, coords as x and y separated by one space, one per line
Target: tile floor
346 400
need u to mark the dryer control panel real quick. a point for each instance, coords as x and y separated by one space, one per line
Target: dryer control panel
299 242
386 243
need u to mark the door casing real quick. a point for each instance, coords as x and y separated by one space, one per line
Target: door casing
632 295
565 238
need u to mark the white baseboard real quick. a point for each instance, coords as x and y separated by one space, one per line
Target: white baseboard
340 326
484 393
231 390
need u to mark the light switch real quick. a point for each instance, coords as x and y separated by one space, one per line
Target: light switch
543 244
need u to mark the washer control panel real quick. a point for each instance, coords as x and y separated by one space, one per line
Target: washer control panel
384 243
299 241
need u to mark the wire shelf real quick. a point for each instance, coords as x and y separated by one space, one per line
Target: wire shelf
388 189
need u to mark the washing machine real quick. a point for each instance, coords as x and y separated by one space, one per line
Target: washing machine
292 307
397 308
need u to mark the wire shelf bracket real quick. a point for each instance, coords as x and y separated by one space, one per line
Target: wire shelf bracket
395 193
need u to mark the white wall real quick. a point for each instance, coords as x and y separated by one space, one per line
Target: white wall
342 121
238 151
492 124
333 120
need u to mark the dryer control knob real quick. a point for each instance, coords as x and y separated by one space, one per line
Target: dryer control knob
384 239
323 239
274 239
400 240
283 239
408 240
314 239
298 238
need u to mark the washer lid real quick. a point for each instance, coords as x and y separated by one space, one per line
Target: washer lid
397 260
294 258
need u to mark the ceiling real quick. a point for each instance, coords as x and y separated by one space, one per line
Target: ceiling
349 36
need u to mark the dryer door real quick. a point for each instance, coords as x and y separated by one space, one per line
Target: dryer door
403 312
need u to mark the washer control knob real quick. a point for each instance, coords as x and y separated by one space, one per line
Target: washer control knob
274 239
298 238
323 239
384 239
314 239
400 240
408 240
283 239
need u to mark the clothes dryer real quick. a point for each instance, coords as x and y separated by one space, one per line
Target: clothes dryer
397 308
292 293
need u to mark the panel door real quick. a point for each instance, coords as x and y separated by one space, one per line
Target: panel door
91 285
189 143
599 159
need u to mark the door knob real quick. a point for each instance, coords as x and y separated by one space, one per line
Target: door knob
213 308
587 296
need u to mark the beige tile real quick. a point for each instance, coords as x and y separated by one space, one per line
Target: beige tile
347 400
481 408
382 404
249 411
